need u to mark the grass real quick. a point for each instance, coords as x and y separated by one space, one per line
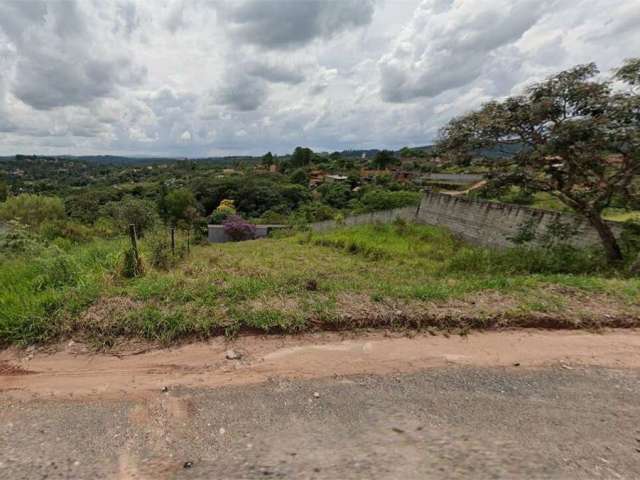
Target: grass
393 275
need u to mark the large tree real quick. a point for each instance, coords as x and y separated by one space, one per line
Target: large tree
575 136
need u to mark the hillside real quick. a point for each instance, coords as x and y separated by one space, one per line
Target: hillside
400 276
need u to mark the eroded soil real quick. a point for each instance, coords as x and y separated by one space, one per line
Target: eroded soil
73 372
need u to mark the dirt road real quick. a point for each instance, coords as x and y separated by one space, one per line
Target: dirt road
492 405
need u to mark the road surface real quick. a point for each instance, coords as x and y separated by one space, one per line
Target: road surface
493 405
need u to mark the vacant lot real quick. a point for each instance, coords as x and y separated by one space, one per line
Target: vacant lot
371 276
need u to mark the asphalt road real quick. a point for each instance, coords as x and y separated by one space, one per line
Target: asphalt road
445 422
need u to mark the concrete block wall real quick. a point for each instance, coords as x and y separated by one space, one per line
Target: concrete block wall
492 224
383 216
479 222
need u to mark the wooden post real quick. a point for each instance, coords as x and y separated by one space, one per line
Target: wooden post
134 240
173 241
189 241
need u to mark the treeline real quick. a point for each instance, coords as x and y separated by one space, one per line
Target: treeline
57 197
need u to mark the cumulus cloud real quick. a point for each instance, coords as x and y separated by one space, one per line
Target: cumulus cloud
281 24
273 72
448 43
247 76
240 91
58 61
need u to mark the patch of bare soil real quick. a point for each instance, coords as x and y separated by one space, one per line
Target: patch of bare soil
8 370
107 312
68 374
487 310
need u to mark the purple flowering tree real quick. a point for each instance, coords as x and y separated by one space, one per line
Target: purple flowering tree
239 229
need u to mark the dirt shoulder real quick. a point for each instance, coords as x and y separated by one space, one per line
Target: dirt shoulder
73 372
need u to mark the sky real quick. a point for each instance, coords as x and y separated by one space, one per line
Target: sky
195 78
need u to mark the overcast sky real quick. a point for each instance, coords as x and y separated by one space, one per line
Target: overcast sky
200 78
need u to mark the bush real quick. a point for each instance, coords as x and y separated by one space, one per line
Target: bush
32 210
239 229
75 232
223 211
159 250
18 240
385 200
132 265
131 211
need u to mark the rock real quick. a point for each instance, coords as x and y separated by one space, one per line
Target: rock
233 355
516 364
187 465
316 395
165 389
222 431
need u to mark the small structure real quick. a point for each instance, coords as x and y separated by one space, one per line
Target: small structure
216 233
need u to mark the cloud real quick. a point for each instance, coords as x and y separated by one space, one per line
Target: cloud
281 24
273 72
448 44
251 76
58 60
240 91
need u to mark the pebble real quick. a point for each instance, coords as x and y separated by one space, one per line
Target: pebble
233 355
316 395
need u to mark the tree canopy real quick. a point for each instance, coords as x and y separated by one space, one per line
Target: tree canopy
573 135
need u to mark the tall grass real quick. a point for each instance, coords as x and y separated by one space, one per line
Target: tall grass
36 294
286 284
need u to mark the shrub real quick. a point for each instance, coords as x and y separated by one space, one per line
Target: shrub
131 211
132 265
239 229
17 240
386 200
223 211
32 210
159 250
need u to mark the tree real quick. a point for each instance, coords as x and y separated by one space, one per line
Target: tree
180 205
299 177
131 211
267 159
4 191
383 159
301 156
572 136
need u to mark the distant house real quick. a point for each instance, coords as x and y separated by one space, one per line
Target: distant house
336 178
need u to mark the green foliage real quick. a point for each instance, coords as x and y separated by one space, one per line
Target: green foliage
572 136
160 255
299 177
181 206
4 191
335 194
373 200
301 157
32 210
17 239
312 212
383 159
71 291
131 211
132 265
223 211
267 159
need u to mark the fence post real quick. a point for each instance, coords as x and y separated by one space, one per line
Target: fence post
189 241
134 240
173 241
